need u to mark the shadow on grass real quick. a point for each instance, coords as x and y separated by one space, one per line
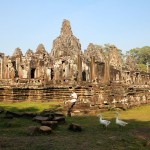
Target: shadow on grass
27 107
133 136
16 109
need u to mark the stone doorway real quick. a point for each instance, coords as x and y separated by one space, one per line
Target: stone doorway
84 76
15 70
52 73
32 73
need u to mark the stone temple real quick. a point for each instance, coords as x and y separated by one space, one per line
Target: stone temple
99 74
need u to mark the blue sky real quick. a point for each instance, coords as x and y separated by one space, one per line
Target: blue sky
27 23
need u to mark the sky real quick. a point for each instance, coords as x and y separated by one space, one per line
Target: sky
28 23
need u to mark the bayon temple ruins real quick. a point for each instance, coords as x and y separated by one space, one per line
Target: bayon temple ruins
50 75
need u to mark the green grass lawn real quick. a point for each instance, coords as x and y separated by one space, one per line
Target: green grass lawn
135 136
29 106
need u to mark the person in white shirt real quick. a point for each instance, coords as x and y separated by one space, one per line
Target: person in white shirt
73 100
73 97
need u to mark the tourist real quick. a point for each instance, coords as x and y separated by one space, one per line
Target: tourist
73 100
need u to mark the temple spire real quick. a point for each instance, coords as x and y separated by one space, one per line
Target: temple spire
66 29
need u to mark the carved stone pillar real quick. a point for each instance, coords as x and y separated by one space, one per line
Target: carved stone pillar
106 72
8 72
92 70
16 63
37 72
29 69
56 74
79 68
71 75
137 77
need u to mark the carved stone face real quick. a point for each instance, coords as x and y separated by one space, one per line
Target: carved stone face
66 44
66 29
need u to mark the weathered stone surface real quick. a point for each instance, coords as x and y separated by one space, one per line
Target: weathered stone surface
75 127
66 63
96 51
52 124
114 57
66 44
35 130
17 52
59 119
29 53
40 118
43 76
58 114
45 129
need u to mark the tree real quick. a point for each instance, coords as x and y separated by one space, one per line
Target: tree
142 56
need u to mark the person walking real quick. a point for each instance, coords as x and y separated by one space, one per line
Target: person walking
73 100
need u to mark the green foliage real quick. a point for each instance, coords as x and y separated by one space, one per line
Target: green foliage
26 106
142 55
142 67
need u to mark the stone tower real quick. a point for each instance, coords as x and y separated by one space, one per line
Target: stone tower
66 44
115 58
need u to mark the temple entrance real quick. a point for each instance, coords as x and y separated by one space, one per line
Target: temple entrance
84 76
52 74
32 73
16 72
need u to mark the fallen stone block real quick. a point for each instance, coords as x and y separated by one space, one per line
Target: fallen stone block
40 118
52 124
58 114
45 129
75 127
59 119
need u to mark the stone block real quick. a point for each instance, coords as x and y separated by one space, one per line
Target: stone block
75 127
